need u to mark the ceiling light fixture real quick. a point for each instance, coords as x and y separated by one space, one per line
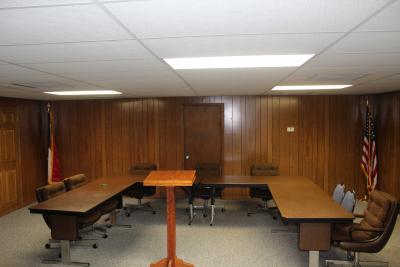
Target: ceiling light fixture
312 87
92 92
260 61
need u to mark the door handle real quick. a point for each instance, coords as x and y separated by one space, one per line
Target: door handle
187 156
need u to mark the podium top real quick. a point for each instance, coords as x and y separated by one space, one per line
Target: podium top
170 178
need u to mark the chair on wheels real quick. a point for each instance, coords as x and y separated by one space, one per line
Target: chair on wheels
266 169
371 234
338 193
206 193
53 190
139 191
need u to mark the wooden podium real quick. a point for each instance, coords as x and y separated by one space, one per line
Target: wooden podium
170 179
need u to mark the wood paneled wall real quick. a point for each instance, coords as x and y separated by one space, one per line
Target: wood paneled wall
387 110
22 157
105 137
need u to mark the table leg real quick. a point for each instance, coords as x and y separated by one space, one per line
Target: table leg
313 258
171 260
65 256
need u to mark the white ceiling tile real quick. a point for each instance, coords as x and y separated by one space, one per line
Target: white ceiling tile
64 52
160 83
57 24
387 20
356 60
241 45
34 3
342 74
101 66
234 81
368 42
208 17
12 70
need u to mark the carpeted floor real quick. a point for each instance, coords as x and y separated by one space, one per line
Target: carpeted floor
235 241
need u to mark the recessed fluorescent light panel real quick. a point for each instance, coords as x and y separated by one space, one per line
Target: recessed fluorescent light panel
92 92
260 61
312 87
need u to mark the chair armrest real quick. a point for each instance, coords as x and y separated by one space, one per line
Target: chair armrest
355 228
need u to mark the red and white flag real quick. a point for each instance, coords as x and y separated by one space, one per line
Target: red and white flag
53 164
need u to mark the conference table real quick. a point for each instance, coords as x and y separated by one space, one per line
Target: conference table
299 201
66 208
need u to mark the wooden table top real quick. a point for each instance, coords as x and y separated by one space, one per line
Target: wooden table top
83 200
170 178
234 180
300 200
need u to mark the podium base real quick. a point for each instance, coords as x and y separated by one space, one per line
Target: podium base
167 263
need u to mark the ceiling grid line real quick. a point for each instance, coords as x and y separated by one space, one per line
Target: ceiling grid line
339 39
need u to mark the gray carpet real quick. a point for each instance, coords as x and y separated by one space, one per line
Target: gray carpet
235 240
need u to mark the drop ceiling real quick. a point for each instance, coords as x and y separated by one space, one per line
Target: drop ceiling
119 45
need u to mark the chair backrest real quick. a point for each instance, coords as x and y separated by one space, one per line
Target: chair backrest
75 181
264 169
143 168
381 212
207 169
46 192
338 193
349 201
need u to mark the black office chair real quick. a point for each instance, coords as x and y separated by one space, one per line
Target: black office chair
139 191
206 193
266 169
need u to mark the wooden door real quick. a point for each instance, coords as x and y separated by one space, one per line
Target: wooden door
9 185
203 134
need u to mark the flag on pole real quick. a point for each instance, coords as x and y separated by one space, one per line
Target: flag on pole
53 164
369 161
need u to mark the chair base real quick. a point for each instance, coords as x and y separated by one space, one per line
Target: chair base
129 208
355 262
262 209
113 221
204 208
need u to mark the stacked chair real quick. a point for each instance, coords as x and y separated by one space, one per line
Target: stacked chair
206 193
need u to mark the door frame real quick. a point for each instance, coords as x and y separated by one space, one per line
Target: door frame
221 129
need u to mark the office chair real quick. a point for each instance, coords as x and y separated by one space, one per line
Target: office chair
267 169
139 191
46 192
371 234
338 193
206 193
349 201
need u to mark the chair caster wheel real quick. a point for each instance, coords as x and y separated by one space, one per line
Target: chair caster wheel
109 226
47 246
211 224
189 223
204 215
223 209
127 214
104 236
59 255
94 245
154 212
274 218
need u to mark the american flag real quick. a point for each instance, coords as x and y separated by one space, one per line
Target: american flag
369 161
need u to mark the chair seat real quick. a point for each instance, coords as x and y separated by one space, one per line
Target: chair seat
89 219
206 192
139 191
260 192
340 232
109 206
